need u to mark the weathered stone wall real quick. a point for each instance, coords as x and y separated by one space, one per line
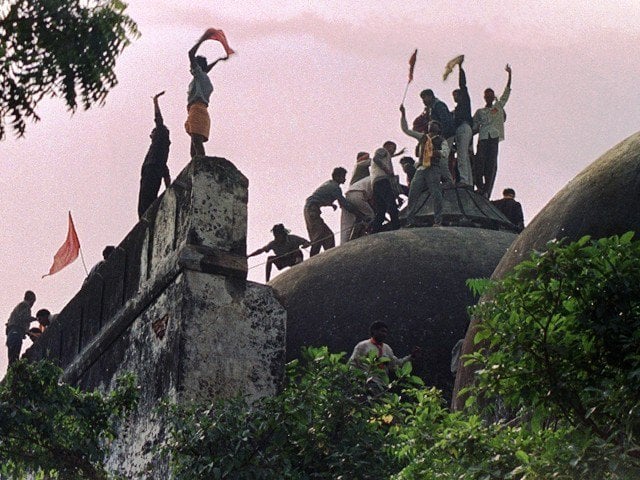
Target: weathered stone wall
172 305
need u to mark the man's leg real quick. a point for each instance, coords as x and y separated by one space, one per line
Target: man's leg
149 187
347 220
14 345
268 267
197 145
491 166
478 166
417 186
380 207
433 174
463 140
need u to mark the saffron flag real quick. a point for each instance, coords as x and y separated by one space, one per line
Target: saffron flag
412 64
68 252
218 35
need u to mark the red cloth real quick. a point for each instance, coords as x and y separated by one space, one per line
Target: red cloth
218 35
69 250
412 64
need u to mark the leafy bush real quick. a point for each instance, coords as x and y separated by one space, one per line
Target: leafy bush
51 429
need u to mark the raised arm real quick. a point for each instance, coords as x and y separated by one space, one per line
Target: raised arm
211 65
462 78
156 109
194 49
405 127
508 70
507 89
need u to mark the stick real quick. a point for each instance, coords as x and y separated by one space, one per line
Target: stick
83 264
405 93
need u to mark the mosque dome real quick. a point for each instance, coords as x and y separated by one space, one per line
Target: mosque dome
603 200
412 279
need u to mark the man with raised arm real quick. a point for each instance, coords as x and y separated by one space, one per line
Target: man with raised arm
154 167
433 155
198 122
489 123
463 132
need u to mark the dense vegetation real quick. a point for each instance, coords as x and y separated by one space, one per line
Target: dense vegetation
557 393
557 396
54 430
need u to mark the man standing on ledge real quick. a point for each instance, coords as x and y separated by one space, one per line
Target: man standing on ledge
18 325
198 122
154 167
320 234
489 123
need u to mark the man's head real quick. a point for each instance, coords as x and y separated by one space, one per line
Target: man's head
30 297
279 231
339 175
489 96
362 156
108 250
379 331
427 97
202 62
44 317
434 127
407 161
390 147
456 95
509 193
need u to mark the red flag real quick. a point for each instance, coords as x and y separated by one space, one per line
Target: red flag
68 252
412 64
215 34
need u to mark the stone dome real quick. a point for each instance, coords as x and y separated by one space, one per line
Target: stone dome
603 200
412 279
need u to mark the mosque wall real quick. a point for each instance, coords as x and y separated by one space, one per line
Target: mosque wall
173 307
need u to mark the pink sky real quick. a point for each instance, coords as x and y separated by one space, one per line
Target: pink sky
312 84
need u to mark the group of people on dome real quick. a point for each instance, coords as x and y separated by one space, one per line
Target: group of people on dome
444 158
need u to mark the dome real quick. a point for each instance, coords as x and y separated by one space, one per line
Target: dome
603 200
412 279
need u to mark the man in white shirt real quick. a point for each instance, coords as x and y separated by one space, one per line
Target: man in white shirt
489 123
379 332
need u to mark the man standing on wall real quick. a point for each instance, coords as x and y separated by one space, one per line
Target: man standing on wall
18 325
154 167
489 123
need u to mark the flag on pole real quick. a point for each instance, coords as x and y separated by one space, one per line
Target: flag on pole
218 35
68 252
412 64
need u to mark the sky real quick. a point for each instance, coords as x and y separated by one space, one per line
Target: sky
312 84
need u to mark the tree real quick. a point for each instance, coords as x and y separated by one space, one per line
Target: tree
58 48
55 430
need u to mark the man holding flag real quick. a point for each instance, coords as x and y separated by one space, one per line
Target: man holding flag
198 121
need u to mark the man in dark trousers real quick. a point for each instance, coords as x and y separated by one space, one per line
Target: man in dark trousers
154 167
510 208
463 122
18 325
320 234
286 248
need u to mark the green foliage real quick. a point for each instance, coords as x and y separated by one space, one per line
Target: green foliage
561 361
562 342
58 48
324 424
54 430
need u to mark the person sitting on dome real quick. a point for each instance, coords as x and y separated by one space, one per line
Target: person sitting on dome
375 347
511 208
286 248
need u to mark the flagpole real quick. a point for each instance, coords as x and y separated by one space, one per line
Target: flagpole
405 93
83 264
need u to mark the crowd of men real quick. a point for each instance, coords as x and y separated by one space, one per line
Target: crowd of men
444 158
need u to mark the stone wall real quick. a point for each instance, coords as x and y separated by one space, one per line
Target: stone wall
172 305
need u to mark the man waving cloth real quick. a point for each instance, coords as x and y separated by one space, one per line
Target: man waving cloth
198 122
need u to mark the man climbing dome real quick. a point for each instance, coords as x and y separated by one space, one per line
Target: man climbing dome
286 248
